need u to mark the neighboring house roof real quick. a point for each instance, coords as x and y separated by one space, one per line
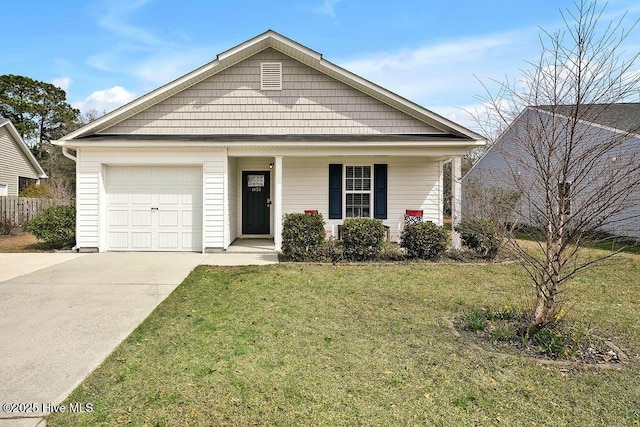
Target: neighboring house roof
623 116
271 39
6 123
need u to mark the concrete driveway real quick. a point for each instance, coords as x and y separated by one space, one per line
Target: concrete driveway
58 323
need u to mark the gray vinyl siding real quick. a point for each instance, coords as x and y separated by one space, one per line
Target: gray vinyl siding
505 162
232 103
13 162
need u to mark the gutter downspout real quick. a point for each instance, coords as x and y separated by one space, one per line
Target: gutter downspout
68 155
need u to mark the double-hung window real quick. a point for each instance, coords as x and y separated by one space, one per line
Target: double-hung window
358 191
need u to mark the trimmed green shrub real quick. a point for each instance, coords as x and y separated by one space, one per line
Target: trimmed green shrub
56 225
391 252
424 240
362 238
481 236
334 251
303 237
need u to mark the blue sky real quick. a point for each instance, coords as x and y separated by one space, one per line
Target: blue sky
105 53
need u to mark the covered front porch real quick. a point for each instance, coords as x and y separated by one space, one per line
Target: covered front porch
261 189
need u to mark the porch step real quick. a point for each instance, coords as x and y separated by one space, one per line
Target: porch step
251 246
231 259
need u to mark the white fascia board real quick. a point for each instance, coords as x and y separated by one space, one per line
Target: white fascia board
431 153
274 40
248 144
151 98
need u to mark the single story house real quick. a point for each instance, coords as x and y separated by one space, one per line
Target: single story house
602 181
18 166
267 128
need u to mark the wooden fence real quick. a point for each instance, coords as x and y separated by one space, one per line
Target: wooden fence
16 211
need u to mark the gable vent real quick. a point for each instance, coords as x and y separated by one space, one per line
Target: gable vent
271 76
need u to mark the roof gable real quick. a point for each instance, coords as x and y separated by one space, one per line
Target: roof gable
622 118
291 49
21 147
232 103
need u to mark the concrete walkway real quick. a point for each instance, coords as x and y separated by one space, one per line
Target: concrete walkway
228 259
59 323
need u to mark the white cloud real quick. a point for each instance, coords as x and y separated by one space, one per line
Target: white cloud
439 73
170 64
105 100
140 52
115 18
62 82
328 8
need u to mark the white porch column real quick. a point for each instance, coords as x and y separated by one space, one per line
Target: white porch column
277 232
456 199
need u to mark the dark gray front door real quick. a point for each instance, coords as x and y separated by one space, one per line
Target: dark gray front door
256 200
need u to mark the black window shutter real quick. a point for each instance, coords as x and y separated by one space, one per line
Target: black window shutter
335 191
380 191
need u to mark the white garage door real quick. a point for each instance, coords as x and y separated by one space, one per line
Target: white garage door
154 208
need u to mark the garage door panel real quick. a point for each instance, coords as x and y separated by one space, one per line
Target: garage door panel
191 218
168 241
141 240
141 218
118 218
118 240
154 208
168 218
189 239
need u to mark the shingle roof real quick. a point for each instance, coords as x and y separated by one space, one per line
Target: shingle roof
623 116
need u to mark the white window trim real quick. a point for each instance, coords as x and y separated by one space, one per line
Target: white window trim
345 191
275 73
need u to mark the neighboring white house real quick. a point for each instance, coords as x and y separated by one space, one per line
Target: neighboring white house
606 139
16 161
267 128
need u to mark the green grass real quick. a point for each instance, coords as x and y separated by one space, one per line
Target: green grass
327 345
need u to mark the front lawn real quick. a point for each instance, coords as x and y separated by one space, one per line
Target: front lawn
298 344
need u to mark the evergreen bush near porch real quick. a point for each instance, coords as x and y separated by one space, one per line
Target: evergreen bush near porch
480 235
303 237
424 240
362 239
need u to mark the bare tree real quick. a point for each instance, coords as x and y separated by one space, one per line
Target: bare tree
574 180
